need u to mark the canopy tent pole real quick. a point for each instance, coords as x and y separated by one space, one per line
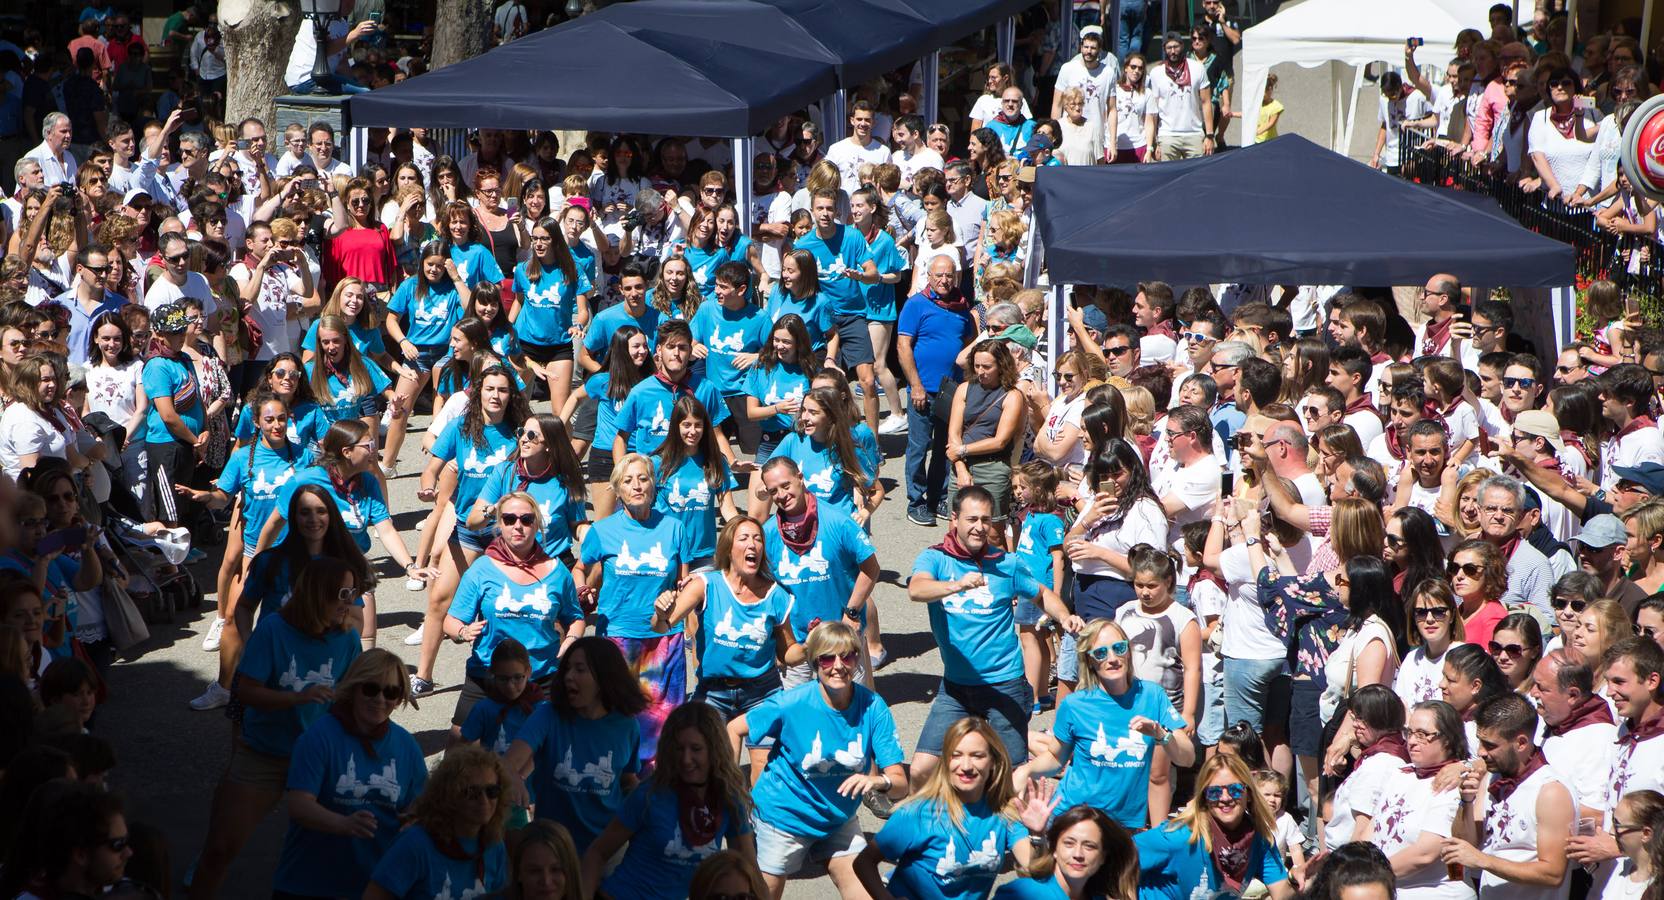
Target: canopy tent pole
837 116
744 158
1057 328
932 88
1646 27
1005 35
1571 26
1345 149
1066 36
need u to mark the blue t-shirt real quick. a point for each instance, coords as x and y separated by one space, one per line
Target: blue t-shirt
821 580
704 263
494 729
1109 764
866 451
1172 866
368 340
687 496
823 473
784 381
976 629
306 425
816 748
727 333
1014 137
344 400
167 377
645 415
659 864
364 508
736 640
281 658
845 249
640 561
475 463
416 869
536 615
938 336
1034 889
427 321
578 766
259 483
881 298
346 777
476 263
936 860
589 263
1042 533
602 325
545 316
814 310
269 583
562 511
606 410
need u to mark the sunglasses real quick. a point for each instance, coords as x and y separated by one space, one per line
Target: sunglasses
177 259
1066 376
1526 383
828 660
1506 649
1117 351
1217 793
482 791
1565 370
1562 83
392 693
1471 570
36 523
1195 337
1394 541
1622 92
527 434
517 518
1577 606
1435 613
1099 654
285 373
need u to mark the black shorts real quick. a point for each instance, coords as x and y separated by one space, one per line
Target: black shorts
600 465
547 353
854 341
583 419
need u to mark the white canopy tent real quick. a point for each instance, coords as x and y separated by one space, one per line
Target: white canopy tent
1342 34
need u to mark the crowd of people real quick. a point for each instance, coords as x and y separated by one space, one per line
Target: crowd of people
1328 590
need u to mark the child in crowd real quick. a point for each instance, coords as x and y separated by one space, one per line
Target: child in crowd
1290 842
509 700
1039 530
1207 597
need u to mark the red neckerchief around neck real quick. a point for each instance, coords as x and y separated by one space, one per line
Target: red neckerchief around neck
1592 711
1390 744
1436 337
1231 850
1645 730
1425 772
798 532
952 546
503 555
1502 787
1179 75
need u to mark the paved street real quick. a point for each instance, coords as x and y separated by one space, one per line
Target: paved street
170 757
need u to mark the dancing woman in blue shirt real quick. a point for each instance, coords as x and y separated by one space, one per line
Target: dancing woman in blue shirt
1221 842
775 387
629 361
454 845
1086 856
693 479
551 308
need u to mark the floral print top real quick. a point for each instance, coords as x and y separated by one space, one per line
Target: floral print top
1306 610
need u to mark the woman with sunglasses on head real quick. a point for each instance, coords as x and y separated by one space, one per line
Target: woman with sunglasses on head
467 453
352 781
1517 646
951 838
1433 626
453 845
552 307
1224 839
1411 817
358 244
543 864
1470 678
515 590
547 470
583 746
1110 701
829 734
1083 855
695 801
286 682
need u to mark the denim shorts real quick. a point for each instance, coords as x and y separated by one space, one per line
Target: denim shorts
427 357
1256 692
1212 714
468 539
782 854
1028 613
1068 663
1006 707
734 697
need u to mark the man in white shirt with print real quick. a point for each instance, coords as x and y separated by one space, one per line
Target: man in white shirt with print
1179 123
860 147
1634 667
1095 72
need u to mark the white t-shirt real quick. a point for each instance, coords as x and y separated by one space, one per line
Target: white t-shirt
1141 523
923 253
1633 449
1405 809
1063 413
1288 834
1418 676
1130 107
1566 156
1178 109
1635 767
1366 424
1622 887
1584 756
1357 795
911 163
305 52
163 291
1097 85
24 432
987 107
1154 637
1393 114
280 287
848 157
1511 831
113 391
1196 485
1340 670
771 209
1242 624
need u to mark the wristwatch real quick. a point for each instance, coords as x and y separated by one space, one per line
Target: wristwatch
852 612
1166 735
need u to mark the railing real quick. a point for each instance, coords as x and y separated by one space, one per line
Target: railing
1634 262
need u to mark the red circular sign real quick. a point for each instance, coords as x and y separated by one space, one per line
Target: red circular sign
1642 150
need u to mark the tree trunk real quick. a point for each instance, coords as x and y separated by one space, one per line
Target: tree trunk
467 31
258 37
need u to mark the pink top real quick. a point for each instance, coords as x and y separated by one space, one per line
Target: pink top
1479 627
1493 104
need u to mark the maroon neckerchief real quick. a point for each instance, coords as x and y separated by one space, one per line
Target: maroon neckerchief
1146 446
676 388
700 811
1645 730
1565 125
1165 328
951 546
1425 772
451 848
333 371
1017 119
1635 424
1203 573
1395 444
1436 337
1553 463
1507 548
1379 357
1230 850
1592 711
798 532
525 475
1573 439
343 487
367 738
1390 744
953 301
1180 76
527 702
1359 405
500 553
1502 787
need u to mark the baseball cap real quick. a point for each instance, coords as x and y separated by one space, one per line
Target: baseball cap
1540 423
169 319
1649 475
1094 318
133 194
1604 530
1036 144
1092 29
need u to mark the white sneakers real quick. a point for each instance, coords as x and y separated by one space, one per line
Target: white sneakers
414 639
893 424
213 698
414 584
211 640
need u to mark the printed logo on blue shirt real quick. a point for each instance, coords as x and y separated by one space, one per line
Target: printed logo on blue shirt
384 782
982 862
749 636
599 773
294 681
1127 751
793 566
478 467
652 562
477 891
978 601
697 497
267 490
537 602
849 759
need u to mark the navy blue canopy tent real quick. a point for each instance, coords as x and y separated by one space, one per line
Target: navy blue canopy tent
592 74
1283 212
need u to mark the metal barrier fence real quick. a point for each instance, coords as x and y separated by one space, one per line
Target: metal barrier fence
1634 262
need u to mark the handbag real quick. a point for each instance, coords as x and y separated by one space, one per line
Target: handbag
941 409
122 617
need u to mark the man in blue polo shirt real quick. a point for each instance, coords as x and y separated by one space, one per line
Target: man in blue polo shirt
971 587
845 264
644 417
935 324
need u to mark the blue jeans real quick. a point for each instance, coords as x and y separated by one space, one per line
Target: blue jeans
1256 692
927 456
1006 707
331 84
1130 37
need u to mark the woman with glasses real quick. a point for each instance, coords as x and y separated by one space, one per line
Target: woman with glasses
582 748
695 801
1124 141
1572 594
358 245
1059 441
499 222
1112 774
1433 626
516 590
546 469
1225 838
830 735
1411 818
1478 577
286 683
1517 646
1415 554
453 845
1649 620
285 379
352 780
1562 136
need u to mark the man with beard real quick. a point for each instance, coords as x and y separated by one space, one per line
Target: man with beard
1579 736
1426 452
1528 809
1179 123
